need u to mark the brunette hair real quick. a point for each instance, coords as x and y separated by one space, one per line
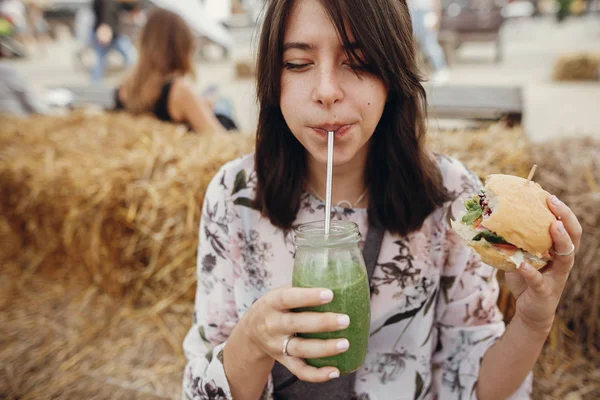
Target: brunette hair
403 178
166 48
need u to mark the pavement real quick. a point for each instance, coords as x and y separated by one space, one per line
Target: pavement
530 49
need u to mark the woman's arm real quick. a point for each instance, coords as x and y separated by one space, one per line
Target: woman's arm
505 365
215 312
508 362
247 368
186 106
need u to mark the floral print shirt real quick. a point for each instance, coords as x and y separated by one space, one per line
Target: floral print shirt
433 304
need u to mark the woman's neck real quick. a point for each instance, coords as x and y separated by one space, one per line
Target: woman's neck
348 182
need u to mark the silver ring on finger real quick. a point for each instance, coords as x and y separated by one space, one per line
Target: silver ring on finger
286 342
567 253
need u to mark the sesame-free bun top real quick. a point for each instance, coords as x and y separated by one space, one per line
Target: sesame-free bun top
520 213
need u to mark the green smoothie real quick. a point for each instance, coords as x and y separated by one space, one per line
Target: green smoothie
350 286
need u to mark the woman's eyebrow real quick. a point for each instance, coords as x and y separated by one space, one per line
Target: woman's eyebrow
297 45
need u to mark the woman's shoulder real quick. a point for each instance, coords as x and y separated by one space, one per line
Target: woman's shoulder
234 178
179 88
182 94
458 179
178 83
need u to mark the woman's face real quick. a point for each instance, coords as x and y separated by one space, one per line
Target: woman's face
321 92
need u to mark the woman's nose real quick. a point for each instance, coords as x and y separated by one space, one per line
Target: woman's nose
328 90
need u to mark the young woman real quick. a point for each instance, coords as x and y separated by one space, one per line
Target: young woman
157 83
349 66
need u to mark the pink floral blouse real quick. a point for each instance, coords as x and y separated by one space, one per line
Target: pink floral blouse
433 305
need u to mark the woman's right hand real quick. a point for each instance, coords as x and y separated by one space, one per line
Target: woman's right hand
271 320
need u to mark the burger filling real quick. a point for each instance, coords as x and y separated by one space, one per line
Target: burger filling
478 209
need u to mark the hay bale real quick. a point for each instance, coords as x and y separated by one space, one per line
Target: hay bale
245 69
111 198
70 341
566 373
492 149
577 67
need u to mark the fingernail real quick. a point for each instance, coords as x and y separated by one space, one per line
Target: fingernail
561 228
334 374
527 267
554 200
342 344
327 295
343 321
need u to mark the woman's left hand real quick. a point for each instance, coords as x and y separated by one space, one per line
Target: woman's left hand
538 293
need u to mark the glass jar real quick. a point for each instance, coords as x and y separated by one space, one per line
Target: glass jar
336 262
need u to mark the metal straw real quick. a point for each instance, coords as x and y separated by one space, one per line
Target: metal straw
329 182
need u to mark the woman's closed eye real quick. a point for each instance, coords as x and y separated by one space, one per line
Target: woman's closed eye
356 67
295 66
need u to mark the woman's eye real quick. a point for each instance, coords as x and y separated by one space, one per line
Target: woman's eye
295 67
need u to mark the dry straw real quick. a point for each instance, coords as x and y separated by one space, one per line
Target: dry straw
577 67
98 225
113 198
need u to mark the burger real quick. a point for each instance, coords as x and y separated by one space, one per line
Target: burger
508 223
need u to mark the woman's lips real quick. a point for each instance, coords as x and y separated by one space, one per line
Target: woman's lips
339 131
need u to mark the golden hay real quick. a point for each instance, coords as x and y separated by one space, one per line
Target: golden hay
566 374
71 341
492 149
245 68
115 200
112 197
577 67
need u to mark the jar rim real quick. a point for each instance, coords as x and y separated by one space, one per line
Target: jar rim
312 234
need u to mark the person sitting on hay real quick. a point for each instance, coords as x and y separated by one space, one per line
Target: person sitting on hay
349 66
157 84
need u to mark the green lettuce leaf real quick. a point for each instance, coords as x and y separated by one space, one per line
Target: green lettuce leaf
490 237
474 211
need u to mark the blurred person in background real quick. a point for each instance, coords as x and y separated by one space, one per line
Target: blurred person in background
425 16
157 83
107 35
